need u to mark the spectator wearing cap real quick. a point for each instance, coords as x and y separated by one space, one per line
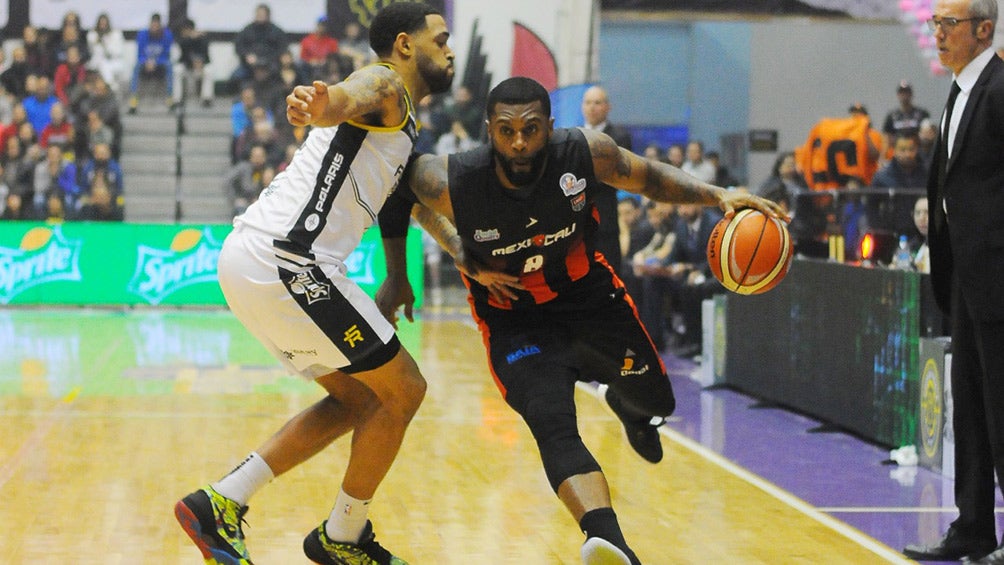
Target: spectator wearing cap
315 49
904 120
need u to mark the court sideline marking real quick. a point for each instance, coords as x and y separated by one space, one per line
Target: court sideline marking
780 494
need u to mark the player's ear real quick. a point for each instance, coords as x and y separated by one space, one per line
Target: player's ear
402 43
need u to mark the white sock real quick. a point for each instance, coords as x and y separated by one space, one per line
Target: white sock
347 519
245 480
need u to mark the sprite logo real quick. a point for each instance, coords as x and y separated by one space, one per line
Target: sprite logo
43 256
191 259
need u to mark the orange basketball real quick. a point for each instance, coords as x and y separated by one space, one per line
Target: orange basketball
750 253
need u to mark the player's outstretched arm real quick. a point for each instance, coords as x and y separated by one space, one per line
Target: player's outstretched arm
663 182
373 94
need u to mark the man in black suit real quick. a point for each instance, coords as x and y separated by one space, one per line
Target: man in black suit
966 240
595 109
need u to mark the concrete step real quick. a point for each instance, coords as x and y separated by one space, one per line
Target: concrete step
204 208
209 124
137 143
149 207
147 184
148 163
157 123
205 165
202 185
205 144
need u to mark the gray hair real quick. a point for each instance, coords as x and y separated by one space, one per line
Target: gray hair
984 10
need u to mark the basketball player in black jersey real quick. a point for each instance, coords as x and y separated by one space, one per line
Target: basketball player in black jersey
524 206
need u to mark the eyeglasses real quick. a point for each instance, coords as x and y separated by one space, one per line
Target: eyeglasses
947 24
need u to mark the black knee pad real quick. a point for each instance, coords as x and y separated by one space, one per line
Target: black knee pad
561 448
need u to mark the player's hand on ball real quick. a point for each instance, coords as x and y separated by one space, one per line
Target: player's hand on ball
734 200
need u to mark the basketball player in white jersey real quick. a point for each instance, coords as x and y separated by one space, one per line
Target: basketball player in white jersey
283 273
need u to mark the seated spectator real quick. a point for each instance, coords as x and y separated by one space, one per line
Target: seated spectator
59 131
102 164
243 140
97 97
245 180
652 310
354 48
464 107
315 48
4 191
455 140
258 44
13 77
696 165
689 275
97 133
905 170
241 115
261 133
918 244
70 75
99 203
38 54
54 172
193 72
14 208
153 60
634 233
675 155
18 169
653 151
926 137
39 105
55 209
107 46
70 35
18 116
723 177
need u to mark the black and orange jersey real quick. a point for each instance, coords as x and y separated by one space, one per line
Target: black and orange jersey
836 153
544 233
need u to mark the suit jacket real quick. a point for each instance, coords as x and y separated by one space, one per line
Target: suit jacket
694 248
606 204
970 244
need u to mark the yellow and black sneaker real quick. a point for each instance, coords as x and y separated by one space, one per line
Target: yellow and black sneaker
367 551
213 521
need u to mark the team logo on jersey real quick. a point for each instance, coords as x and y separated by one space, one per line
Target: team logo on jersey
307 284
571 185
311 223
486 235
532 222
578 202
539 240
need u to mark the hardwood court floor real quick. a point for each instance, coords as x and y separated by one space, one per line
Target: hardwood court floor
110 417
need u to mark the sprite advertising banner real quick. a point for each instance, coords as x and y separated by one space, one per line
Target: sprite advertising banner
145 264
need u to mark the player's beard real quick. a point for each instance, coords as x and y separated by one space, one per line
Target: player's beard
439 79
522 178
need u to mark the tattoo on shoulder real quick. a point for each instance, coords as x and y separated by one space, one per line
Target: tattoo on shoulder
373 86
605 150
430 177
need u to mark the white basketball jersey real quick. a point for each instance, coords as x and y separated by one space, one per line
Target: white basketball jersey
319 207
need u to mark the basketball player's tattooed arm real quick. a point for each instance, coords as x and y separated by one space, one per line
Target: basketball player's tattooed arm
373 95
428 179
663 182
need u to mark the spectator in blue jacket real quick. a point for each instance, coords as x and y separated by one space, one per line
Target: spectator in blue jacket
153 60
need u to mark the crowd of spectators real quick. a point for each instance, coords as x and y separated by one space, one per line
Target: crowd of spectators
61 131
